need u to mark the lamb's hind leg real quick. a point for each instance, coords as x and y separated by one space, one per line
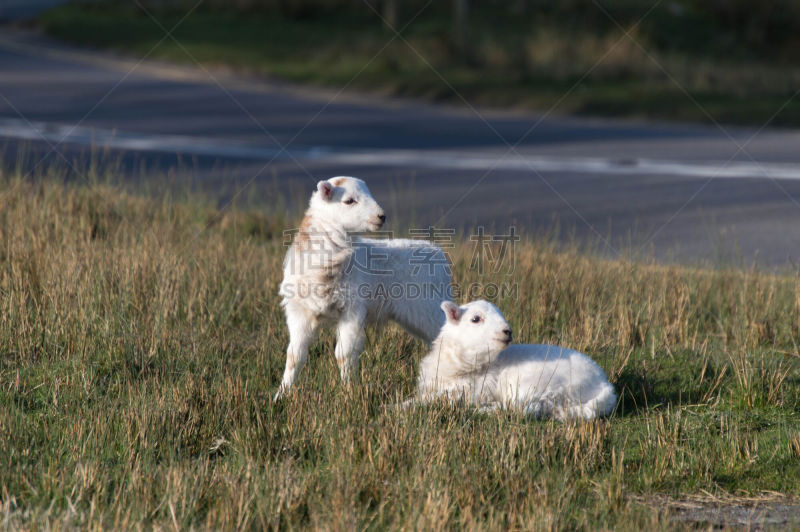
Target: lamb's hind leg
601 405
349 345
302 331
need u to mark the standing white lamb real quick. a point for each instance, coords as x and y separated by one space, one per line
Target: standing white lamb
331 277
471 360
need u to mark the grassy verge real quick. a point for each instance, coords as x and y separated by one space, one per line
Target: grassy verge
735 71
140 342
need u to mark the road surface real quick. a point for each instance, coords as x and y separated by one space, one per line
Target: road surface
688 192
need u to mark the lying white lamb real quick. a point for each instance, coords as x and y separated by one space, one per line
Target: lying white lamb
331 277
471 360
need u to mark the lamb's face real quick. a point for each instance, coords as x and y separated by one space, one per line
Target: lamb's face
478 329
347 201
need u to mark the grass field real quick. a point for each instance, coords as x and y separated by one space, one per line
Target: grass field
142 339
730 61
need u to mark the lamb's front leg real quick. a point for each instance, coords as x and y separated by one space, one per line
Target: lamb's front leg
455 395
349 345
302 331
488 408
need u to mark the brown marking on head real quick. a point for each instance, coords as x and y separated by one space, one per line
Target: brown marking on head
339 181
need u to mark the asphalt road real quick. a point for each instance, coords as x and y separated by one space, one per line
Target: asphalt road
687 192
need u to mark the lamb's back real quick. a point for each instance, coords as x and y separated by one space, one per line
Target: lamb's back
542 371
380 261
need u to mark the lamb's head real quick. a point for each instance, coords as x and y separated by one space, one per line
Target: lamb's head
477 330
347 202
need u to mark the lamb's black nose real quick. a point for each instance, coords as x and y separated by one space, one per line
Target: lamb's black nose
507 332
382 218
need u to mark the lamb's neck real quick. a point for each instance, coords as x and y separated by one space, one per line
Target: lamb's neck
322 237
445 361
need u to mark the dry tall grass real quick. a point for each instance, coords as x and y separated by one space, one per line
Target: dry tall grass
141 340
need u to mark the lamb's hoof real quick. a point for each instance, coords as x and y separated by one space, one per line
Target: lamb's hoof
281 393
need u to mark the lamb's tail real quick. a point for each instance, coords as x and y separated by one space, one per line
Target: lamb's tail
601 405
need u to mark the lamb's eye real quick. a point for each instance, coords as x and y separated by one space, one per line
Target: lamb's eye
476 319
349 201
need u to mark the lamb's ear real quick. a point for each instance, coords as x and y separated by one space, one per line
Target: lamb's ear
325 190
452 311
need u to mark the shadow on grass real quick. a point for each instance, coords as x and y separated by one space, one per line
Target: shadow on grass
679 381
